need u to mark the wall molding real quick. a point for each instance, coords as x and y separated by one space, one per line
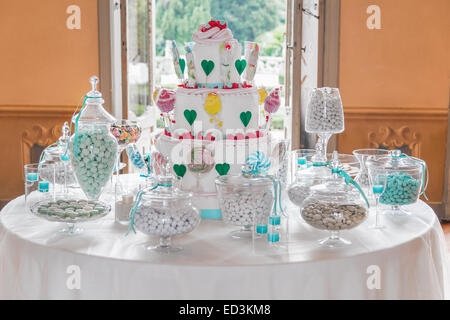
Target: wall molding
12 111
395 113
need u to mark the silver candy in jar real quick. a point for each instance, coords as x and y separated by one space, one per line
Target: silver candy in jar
333 216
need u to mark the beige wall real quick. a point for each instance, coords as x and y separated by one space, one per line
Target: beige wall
44 70
395 81
42 62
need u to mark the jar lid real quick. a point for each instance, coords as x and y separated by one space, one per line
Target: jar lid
335 186
93 110
164 190
244 180
58 150
394 161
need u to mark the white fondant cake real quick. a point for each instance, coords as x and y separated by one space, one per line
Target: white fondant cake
213 120
227 120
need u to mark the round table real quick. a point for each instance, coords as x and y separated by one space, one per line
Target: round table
406 260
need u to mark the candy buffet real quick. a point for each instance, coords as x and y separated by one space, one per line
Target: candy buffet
218 189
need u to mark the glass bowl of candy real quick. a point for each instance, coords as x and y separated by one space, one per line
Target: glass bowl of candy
70 211
405 180
246 201
126 132
334 206
164 211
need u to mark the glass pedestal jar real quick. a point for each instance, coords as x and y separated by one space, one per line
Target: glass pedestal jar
246 201
405 181
93 149
334 206
165 212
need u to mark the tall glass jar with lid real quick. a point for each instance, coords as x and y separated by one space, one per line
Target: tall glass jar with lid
93 148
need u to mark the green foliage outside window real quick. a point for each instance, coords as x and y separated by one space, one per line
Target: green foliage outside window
250 20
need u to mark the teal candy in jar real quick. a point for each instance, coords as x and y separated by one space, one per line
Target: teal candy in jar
93 148
405 182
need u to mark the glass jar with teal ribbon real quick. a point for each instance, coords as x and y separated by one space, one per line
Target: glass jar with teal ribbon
58 154
93 149
164 211
338 204
407 180
307 175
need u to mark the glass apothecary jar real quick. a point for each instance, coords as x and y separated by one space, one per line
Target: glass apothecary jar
164 211
405 180
307 175
245 200
58 155
93 149
334 206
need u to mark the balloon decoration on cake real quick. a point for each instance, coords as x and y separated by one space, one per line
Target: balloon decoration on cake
165 100
213 106
225 61
262 95
251 56
178 63
190 116
190 63
208 67
271 105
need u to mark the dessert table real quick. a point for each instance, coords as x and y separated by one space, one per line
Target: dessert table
406 260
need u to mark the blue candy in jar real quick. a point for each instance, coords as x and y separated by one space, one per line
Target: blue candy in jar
401 189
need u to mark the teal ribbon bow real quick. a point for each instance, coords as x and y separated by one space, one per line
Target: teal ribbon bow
136 204
347 178
42 157
425 172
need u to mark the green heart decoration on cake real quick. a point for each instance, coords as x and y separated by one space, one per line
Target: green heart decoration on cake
182 65
190 116
222 169
240 65
180 170
245 118
207 66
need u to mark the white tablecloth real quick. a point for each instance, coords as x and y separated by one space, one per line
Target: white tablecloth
408 258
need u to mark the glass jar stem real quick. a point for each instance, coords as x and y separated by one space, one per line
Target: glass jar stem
165 242
321 147
334 235
377 212
119 152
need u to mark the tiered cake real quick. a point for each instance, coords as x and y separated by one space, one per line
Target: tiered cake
214 119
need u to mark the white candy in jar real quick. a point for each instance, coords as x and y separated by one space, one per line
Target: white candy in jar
324 114
241 207
164 223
